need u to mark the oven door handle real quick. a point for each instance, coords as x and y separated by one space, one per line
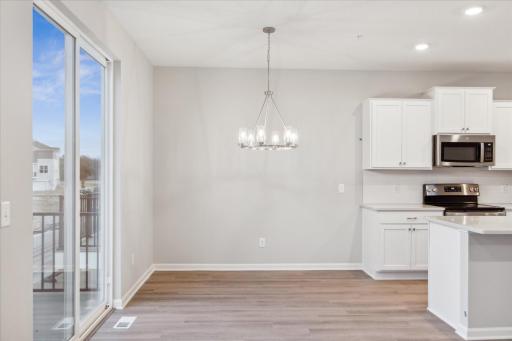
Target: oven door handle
480 213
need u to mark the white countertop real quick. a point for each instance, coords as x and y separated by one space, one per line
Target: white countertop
402 207
508 206
476 224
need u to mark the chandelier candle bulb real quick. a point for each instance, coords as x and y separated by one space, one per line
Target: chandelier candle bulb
260 135
250 138
287 138
275 138
242 137
294 136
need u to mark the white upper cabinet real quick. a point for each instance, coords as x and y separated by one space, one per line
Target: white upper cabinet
386 133
502 128
462 110
449 110
397 134
478 105
417 134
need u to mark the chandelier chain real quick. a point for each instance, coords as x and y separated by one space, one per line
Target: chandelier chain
268 61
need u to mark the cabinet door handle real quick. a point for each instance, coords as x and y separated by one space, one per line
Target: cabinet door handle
467 129
412 218
414 229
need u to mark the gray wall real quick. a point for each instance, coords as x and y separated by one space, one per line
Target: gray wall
213 201
15 169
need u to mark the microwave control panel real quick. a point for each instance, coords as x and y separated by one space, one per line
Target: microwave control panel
488 151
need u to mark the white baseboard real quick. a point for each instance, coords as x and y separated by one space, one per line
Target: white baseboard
497 333
256 267
121 303
443 318
398 276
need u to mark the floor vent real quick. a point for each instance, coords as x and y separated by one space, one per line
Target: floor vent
125 322
64 324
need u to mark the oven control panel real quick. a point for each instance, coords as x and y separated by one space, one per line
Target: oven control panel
451 189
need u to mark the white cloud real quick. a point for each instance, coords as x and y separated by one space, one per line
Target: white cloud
90 77
48 77
49 88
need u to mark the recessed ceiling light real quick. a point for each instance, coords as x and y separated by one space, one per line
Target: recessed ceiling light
421 47
471 11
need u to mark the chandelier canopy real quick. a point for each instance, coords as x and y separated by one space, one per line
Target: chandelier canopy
284 138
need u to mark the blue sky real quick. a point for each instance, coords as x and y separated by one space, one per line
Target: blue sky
48 97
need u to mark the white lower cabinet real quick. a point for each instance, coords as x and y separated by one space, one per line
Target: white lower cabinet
396 247
404 247
419 241
395 244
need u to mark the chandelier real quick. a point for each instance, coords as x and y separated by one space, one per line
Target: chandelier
256 138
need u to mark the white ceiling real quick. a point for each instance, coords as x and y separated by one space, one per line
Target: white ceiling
322 34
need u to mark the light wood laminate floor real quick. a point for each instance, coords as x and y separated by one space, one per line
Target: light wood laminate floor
277 306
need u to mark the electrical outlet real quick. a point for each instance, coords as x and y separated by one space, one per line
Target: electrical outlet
504 188
341 188
263 242
133 259
5 214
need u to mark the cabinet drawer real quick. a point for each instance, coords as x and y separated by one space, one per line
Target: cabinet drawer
412 217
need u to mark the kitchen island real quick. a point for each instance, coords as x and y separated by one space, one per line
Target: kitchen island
470 275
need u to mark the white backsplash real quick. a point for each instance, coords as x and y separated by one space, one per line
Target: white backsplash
407 186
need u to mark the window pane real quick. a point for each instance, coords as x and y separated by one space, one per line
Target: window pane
92 251
53 238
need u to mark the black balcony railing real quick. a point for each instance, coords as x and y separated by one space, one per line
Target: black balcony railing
49 238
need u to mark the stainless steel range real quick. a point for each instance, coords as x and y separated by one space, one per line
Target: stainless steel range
458 200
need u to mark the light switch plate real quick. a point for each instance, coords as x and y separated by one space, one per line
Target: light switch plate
262 242
341 188
5 214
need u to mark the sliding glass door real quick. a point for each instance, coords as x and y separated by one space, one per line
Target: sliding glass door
70 172
92 199
52 180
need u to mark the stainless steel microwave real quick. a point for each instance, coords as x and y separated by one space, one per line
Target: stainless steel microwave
464 150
